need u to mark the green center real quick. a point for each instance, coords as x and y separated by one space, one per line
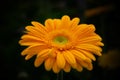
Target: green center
60 40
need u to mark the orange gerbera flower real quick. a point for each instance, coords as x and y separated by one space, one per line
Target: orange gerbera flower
62 44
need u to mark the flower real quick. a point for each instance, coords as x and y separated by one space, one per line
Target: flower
61 44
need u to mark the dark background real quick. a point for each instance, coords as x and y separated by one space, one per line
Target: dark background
16 14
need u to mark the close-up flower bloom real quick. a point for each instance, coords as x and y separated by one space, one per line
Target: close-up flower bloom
61 44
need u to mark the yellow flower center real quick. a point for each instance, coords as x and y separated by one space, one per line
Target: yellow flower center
60 40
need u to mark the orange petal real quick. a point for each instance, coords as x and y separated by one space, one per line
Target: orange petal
38 61
57 23
34 32
60 60
99 44
85 30
67 67
92 48
87 65
39 27
65 22
44 53
34 49
90 67
88 54
69 57
79 67
49 24
75 22
28 40
29 56
49 63
90 39
78 54
55 68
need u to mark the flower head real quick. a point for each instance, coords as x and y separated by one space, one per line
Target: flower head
62 44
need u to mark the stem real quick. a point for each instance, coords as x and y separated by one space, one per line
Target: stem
60 75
